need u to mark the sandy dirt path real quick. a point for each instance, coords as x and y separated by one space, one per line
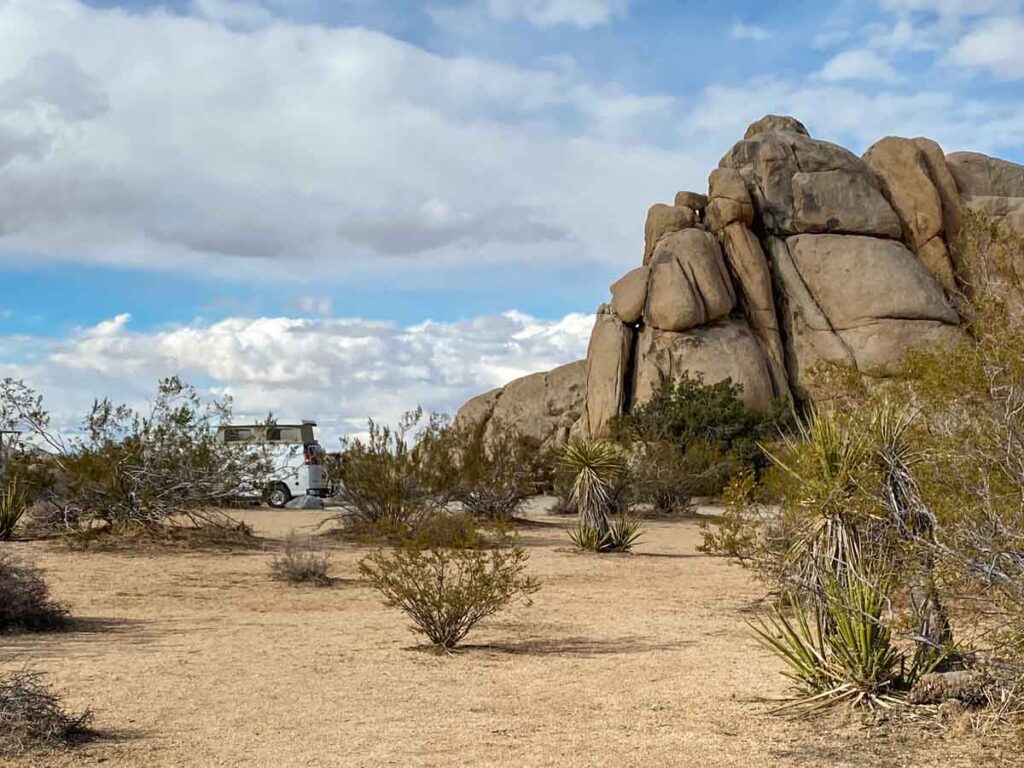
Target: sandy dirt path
198 659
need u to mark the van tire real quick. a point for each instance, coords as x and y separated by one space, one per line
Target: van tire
278 495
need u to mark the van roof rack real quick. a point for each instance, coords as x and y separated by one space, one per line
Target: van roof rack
308 423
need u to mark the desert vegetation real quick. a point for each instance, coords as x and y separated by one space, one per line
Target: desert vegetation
125 471
885 524
895 546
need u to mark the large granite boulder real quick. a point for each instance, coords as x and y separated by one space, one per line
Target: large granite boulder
979 175
730 200
629 294
861 302
773 124
689 283
903 170
543 406
611 343
722 350
663 220
799 184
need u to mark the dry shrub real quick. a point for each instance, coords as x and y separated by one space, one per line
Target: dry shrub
447 592
32 716
489 469
25 602
386 485
301 563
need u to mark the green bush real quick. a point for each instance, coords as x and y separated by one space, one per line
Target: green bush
840 647
447 592
25 602
597 469
699 436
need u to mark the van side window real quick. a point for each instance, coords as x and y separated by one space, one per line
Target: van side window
237 435
283 435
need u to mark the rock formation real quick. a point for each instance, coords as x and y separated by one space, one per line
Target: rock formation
801 252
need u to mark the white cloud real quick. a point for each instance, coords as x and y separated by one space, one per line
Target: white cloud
997 46
187 143
339 371
742 31
863 65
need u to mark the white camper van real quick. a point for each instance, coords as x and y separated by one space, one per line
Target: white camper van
296 455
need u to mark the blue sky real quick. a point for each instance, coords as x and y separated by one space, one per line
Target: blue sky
340 208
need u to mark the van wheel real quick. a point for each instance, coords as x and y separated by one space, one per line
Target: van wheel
278 495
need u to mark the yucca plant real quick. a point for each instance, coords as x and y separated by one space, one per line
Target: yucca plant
595 465
837 646
824 459
623 532
12 507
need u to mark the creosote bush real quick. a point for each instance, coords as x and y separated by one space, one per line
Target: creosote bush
387 487
447 592
32 715
301 563
490 470
25 602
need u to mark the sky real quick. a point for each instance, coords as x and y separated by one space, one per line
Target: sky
341 209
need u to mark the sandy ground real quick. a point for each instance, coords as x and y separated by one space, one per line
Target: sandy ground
198 659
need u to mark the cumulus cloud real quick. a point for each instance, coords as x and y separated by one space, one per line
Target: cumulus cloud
995 46
339 371
861 65
203 141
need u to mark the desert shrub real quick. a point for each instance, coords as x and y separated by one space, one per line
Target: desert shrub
32 715
713 433
388 487
452 530
489 469
25 601
596 467
12 507
447 592
129 469
301 562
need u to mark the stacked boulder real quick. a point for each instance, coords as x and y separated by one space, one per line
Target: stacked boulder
801 253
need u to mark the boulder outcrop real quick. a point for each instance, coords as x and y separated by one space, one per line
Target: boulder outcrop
801 253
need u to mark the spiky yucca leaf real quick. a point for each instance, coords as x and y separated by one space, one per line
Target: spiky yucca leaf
838 647
12 507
